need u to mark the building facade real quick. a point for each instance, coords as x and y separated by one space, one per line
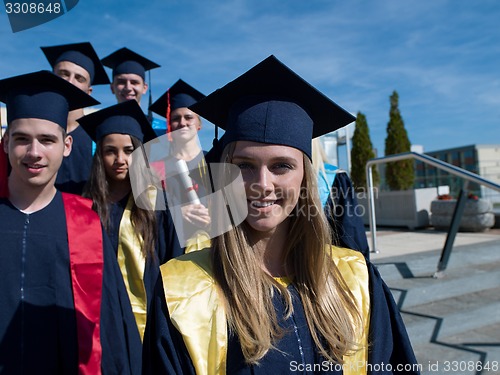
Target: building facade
483 160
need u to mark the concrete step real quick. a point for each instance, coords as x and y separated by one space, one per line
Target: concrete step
468 279
424 264
450 359
452 316
471 271
453 322
465 350
424 291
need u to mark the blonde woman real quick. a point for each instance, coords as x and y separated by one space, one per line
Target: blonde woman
272 296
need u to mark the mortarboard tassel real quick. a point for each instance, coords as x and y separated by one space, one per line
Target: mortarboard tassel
167 116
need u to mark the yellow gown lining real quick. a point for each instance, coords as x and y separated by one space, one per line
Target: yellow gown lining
197 313
132 263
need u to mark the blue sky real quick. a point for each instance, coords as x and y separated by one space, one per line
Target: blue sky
441 56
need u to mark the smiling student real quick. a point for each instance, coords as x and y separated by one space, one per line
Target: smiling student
129 74
138 235
64 306
273 292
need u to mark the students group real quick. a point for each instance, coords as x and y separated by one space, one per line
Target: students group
102 277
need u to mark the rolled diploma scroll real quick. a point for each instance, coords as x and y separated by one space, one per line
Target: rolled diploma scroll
186 181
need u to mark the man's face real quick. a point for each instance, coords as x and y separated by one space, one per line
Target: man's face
35 148
128 86
75 75
185 124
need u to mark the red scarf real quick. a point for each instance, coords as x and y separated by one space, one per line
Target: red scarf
86 263
167 116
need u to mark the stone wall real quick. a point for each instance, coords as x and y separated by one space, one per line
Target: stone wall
478 215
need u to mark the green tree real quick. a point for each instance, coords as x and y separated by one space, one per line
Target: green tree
361 152
399 175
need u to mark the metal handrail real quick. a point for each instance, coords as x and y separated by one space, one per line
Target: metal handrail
452 169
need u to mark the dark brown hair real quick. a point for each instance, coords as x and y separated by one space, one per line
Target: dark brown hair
97 189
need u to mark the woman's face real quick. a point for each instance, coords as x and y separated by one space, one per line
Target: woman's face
116 150
273 176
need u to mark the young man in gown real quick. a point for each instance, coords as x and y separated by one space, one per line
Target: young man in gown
64 309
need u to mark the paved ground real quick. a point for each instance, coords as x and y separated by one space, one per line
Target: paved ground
394 242
454 320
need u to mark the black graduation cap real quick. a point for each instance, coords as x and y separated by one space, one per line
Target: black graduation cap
125 61
42 95
82 54
272 104
179 95
123 118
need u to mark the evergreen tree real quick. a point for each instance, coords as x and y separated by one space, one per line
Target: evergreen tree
361 152
400 175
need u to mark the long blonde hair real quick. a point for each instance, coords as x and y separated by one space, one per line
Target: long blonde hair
247 290
319 157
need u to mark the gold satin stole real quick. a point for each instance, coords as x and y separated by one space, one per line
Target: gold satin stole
200 240
132 263
197 313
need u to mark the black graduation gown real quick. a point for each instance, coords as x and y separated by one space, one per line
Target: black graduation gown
344 216
37 315
388 336
294 353
172 245
166 353
75 168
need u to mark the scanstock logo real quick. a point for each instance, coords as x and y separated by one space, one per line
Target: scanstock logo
24 15
203 200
